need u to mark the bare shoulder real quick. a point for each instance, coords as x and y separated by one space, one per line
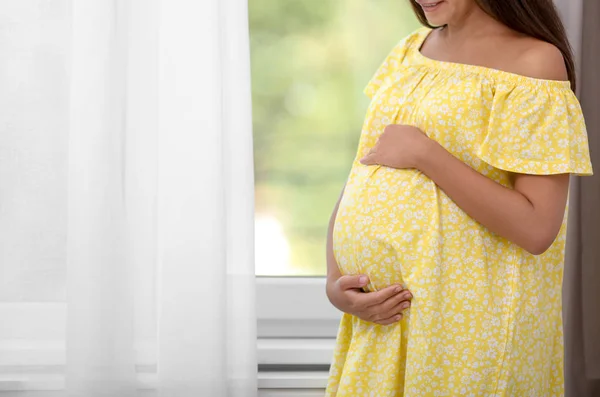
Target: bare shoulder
540 60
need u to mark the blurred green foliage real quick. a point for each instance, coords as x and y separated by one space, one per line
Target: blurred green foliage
311 60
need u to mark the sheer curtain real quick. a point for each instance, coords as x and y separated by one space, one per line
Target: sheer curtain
126 199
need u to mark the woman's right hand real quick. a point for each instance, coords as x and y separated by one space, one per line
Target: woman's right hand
383 307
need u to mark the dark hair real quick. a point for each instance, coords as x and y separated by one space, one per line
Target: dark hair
535 18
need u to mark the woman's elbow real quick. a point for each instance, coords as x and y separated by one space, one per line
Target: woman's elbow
540 242
537 249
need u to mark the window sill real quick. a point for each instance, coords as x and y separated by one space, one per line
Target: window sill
295 351
297 380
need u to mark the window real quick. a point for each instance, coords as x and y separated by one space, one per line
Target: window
310 62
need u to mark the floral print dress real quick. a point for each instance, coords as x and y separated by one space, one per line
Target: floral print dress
486 318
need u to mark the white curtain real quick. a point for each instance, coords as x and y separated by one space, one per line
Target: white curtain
126 199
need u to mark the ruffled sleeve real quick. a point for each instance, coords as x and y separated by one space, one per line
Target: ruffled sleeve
391 63
536 127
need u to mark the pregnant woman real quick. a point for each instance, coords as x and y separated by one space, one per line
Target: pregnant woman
458 193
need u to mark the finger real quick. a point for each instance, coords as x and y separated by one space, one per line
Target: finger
391 320
398 309
395 300
376 313
379 297
369 159
352 282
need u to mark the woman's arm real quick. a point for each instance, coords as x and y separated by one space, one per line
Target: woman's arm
333 271
530 215
344 292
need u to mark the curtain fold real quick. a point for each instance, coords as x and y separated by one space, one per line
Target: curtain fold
155 257
100 357
206 201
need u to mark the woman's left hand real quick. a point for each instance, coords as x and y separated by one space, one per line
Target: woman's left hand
399 146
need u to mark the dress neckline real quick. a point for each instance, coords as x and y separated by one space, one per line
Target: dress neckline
477 69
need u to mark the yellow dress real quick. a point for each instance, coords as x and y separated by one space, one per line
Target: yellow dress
486 315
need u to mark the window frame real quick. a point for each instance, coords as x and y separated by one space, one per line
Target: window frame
295 307
296 323
296 328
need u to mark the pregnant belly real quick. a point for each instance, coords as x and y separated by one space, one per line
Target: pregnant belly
387 225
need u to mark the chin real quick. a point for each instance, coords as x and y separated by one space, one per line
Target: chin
436 12
437 22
